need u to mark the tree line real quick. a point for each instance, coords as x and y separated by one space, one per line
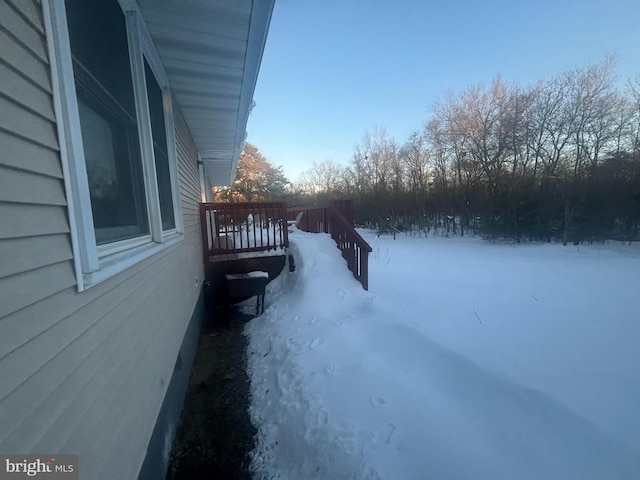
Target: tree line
557 160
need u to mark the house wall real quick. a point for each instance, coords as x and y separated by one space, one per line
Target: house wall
81 373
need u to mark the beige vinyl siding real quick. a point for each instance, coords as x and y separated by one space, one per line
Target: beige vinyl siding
30 96
22 154
15 53
25 288
190 195
30 11
16 119
23 220
30 172
30 253
16 24
17 186
82 373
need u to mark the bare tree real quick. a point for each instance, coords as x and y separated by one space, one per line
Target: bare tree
558 159
324 179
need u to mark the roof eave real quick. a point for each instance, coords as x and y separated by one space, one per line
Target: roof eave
214 111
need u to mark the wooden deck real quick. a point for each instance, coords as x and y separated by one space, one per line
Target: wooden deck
250 236
241 238
231 229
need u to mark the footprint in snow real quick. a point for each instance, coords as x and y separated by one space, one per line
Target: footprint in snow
383 433
339 323
322 418
391 430
330 369
313 320
378 401
316 342
293 345
297 318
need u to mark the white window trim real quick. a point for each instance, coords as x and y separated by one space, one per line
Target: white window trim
153 59
203 188
92 263
113 248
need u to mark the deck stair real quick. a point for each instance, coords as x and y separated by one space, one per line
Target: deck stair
336 219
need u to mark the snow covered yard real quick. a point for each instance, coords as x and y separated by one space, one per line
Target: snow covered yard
465 360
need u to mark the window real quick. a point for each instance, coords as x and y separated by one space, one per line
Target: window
158 130
116 133
106 104
115 178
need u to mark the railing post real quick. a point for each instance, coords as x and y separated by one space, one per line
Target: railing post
364 268
326 215
285 224
204 232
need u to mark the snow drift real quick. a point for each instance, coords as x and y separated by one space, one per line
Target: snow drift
464 360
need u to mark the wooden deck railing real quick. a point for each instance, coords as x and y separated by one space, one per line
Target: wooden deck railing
345 207
337 220
354 248
235 228
231 228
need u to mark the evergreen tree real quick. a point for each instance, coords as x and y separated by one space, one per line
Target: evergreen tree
256 179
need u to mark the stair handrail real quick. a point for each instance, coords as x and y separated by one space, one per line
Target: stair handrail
355 249
336 219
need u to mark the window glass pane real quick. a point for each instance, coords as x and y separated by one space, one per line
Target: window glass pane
156 110
98 37
97 33
117 199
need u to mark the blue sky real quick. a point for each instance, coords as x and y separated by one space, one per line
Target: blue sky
333 69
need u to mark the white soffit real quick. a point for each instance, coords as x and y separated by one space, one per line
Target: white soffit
211 51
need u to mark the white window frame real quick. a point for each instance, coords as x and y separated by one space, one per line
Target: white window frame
95 263
153 59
